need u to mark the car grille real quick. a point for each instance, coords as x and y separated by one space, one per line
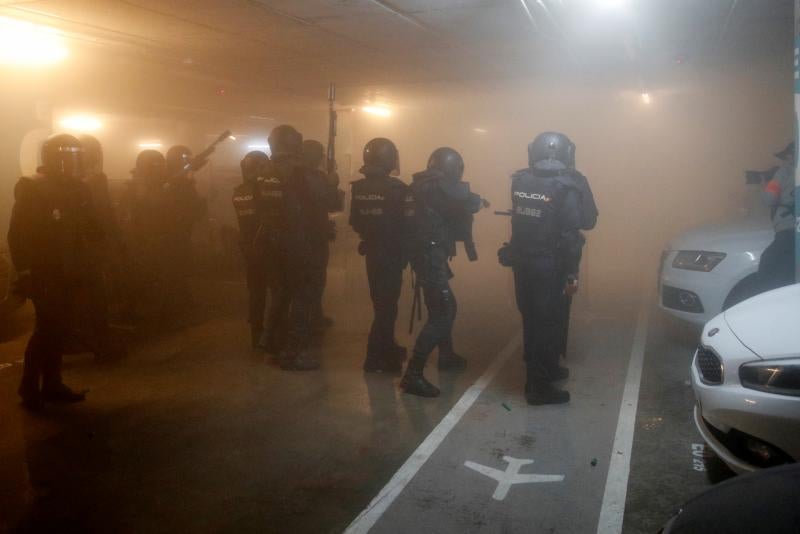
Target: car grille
709 366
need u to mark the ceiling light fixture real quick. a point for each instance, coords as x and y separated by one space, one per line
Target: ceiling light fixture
23 44
611 4
480 130
381 111
646 99
81 123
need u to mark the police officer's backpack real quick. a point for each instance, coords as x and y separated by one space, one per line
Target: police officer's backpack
589 211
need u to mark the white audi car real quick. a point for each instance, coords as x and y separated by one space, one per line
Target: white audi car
710 268
746 378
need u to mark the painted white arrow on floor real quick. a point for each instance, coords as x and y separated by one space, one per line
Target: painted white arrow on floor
511 476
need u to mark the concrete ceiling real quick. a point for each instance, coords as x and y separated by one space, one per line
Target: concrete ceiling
295 47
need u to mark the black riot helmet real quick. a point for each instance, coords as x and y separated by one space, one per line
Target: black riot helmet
313 153
62 156
381 153
178 158
253 165
150 165
284 140
551 151
92 154
448 161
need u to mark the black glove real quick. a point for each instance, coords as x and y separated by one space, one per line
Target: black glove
22 286
505 255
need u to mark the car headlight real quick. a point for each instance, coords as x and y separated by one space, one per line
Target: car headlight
779 377
697 260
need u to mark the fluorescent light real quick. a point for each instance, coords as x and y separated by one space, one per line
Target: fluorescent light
81 123
23 44
150 144
377 110
646 98
480 130
232 137
611 4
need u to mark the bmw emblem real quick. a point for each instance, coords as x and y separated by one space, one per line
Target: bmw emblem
713 332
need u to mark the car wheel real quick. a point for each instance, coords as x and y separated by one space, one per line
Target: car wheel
746 288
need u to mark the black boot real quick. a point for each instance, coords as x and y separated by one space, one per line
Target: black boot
62 394
298 360
31 400
383 363
413 381
539 389
450 361
561 373
543 392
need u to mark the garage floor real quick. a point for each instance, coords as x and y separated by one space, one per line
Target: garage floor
194 432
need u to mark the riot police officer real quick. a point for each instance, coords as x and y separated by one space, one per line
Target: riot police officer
147 220
52 226
544 252
298 198
186 209
442 203
325 229
108 258
246 203
378 214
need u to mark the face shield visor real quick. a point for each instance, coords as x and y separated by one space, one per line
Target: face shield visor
66 162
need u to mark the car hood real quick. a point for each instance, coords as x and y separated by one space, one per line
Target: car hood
750 234
767 323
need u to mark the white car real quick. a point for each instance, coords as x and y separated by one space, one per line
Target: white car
710 268
746 378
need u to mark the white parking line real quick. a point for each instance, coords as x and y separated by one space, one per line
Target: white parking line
367 519
619 467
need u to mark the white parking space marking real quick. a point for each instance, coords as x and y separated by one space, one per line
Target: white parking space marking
511 476
367 519
619 467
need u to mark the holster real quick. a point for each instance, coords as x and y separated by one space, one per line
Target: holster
506 255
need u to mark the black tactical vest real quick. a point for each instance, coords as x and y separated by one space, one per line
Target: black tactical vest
378 209
536 205
246 199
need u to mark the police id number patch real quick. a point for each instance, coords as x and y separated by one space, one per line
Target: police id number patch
529 212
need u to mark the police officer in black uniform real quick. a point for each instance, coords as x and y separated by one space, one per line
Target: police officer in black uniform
325 229
299 197
186 209
442 203
107 256
52 226
147 219
378 213
545 252
247 205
